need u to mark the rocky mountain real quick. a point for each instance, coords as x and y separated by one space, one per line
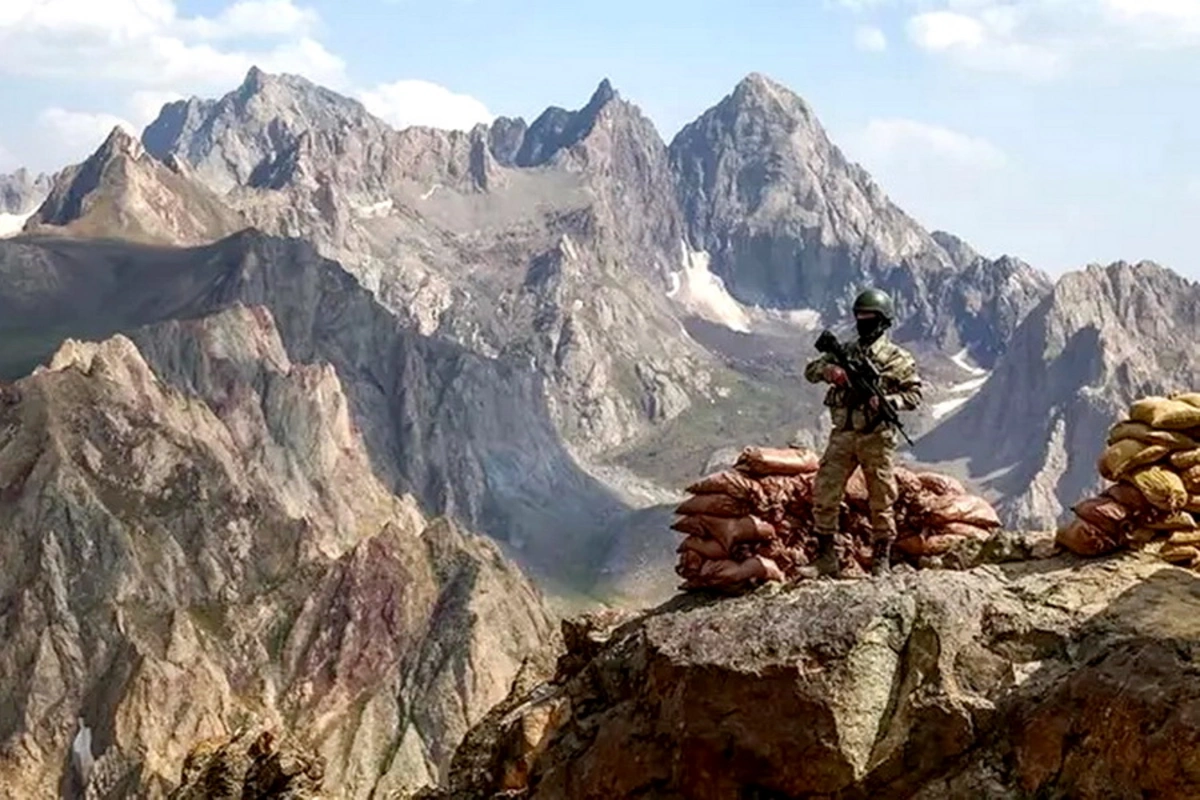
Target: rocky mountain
1102 338
20 194
121 191
1037 678
790 223
550 242
194 540
469 436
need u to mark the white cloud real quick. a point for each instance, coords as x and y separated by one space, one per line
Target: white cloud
911 143
147 44
75 134
411 102
1041 38
870 39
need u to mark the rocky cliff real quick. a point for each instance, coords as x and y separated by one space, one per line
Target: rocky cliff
790 223
551 241
1104 337
194 540
1041 678
122 192
469 436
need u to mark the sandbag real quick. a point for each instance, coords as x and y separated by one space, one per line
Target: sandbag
730 532
689 564
1179 554
713 505
941 485
690 525
1128 454
1085 540
777 461
1193 504
1128 496
965 530
962 508
1140 431
856 487
1191 398
1103 512
1141 535
934 544
1191 537
706 548
728 573
1162 488
730 482
1175 521
1165 414
1185 459
907 482
1191 479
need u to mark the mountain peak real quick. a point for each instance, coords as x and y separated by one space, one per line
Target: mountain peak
604 94
119 142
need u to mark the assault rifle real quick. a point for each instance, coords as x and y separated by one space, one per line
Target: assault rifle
864 381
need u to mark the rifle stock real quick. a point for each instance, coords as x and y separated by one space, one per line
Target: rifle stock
864 381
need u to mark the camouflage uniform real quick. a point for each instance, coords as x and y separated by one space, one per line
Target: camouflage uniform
850 446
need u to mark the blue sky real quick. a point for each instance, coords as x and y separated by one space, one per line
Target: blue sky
1059 131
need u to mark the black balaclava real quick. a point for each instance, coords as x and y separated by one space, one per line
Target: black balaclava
870 328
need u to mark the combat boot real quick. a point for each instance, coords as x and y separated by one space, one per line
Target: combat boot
828 562
881 557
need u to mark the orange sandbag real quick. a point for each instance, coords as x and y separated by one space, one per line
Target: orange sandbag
964 529
1185 459
690 564
940 484
707 548
1085 540
1129 496
691 525
1174 521
966 508
713 505
729 573
856 487
730 532
777 461
907 482
729 482
1124 455
1191 479
1104 513
934 544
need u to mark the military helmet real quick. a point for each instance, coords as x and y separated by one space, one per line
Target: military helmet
875 300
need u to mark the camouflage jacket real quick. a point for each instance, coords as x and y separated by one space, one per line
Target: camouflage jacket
898 378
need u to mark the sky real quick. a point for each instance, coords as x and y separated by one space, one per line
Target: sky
1063 132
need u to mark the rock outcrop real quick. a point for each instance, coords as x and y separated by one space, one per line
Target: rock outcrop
194 541
121 191
20 195
1047 678
1104 337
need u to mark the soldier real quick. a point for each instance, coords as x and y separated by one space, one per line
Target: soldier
851 444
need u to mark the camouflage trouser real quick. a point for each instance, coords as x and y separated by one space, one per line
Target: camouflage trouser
847 449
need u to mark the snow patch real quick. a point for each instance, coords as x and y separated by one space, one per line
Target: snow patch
11 224
972 386
568 248
704 294
432 189
81 750
939 410
960 360
380 209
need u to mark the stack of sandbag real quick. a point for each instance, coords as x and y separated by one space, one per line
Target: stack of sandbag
1153 462
754 522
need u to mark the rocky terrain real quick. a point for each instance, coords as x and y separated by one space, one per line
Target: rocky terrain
194 539
1047 677
1102 338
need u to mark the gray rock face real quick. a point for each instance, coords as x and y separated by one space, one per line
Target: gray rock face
1104 337
21 192
1050 678
194 539
791 224
467 435
549 242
